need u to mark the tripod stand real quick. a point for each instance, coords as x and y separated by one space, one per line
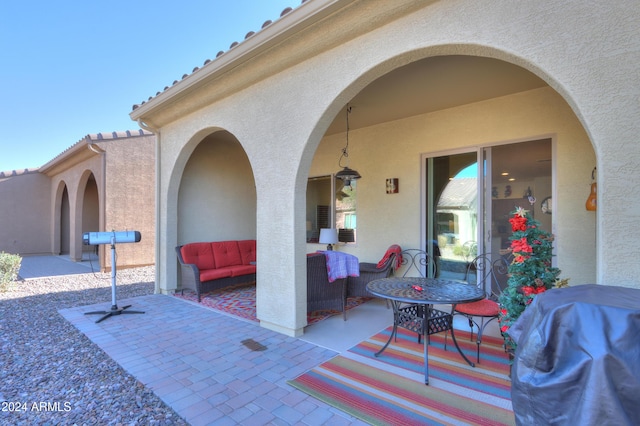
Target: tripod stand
114 307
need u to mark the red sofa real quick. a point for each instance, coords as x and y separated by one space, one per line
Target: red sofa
209 266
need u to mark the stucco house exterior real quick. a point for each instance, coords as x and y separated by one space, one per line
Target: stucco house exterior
239 137
103 182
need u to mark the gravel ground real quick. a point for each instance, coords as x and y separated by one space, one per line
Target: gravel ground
51 374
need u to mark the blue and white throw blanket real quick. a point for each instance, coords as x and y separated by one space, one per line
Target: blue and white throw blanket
341 265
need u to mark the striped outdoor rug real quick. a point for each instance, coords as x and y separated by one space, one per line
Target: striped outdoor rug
390 389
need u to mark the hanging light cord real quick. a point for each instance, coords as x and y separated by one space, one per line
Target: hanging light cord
345 150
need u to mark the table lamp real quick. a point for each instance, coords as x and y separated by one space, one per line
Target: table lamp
328 236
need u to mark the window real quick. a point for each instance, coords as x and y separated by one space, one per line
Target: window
326 211
346 211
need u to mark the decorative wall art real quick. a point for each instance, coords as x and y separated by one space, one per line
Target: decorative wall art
392 186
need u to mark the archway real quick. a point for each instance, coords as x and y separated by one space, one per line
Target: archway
90 212
456 102
64 223
216 199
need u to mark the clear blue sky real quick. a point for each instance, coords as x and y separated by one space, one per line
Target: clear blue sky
69 68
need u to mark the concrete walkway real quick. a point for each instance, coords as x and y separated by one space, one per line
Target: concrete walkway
49 265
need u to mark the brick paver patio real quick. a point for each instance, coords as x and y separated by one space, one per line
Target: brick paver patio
193 358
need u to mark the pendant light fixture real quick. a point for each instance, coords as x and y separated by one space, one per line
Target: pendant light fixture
347 174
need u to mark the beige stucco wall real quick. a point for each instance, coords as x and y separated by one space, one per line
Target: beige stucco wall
24 213
587 52
129 201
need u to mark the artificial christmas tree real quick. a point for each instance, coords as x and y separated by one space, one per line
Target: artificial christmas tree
530 272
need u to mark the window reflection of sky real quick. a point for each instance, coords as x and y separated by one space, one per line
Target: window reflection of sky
470 171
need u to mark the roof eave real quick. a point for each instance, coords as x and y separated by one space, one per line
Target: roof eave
73 155
307 14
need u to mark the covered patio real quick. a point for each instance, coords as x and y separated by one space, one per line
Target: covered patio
253 125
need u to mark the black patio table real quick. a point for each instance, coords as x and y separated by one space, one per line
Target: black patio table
419 295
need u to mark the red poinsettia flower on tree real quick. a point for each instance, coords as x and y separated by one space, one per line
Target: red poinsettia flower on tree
521 246
518 223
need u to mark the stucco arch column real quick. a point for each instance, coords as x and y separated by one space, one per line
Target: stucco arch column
281 280
169 167
57 190
288 122
281 286
75 220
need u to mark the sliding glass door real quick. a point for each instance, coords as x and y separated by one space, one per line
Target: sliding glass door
519 174
468 197
452 206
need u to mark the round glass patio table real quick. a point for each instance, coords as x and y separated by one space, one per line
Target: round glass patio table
412 299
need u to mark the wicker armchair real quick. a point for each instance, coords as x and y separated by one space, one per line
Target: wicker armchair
321 294
357 286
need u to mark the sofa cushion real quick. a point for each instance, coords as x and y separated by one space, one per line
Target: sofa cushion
226 253
199 254
247 251
214 274
242 270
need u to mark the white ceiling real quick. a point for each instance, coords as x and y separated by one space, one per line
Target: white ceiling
434 84
443 82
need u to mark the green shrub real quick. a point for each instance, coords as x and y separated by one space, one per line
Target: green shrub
9 267
468 250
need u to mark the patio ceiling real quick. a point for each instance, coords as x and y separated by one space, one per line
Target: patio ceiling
434 84
442 82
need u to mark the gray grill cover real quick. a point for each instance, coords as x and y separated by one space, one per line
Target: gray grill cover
578 358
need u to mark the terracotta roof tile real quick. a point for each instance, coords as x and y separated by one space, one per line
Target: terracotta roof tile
220 53
116 135
10 173
95 137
